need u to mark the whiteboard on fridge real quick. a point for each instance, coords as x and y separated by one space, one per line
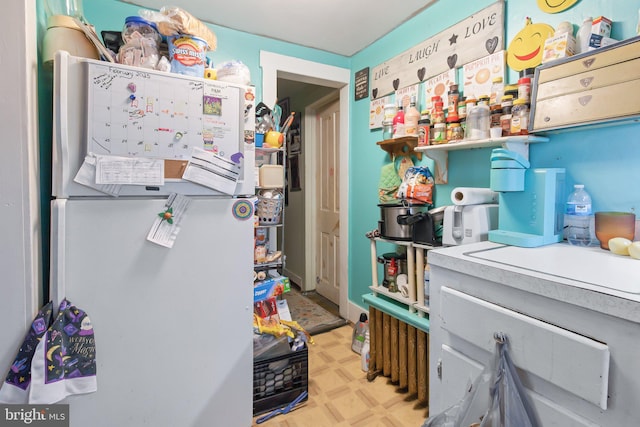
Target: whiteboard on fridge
137 112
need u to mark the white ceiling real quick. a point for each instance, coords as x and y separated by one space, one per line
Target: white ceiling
339 26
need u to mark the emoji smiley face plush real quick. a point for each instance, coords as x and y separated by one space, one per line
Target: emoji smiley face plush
526 48
555 6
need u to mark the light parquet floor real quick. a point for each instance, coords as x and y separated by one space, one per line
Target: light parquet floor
341 396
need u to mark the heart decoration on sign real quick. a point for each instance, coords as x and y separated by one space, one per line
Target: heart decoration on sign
451 60
396 84
421 72
491 44
374 92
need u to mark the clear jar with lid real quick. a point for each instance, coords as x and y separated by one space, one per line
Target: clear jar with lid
141 39
519 117
387 129
478 121
497 90
390 111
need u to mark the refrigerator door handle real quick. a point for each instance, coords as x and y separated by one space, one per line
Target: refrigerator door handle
57 274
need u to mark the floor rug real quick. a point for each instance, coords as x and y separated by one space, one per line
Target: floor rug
312 317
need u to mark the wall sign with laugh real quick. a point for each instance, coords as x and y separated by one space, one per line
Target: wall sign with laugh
479 35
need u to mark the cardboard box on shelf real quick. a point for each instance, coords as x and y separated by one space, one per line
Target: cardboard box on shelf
597 41
560 46
271 288
601 26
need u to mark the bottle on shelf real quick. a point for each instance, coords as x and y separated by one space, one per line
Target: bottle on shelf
578 217
583 35
398 121
364 353
411 118
519 117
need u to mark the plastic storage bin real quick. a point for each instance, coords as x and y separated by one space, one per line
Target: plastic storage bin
279 380
271 176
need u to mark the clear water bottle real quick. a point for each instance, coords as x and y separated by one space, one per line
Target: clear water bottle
578 217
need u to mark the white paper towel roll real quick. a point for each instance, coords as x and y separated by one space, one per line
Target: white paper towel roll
473 196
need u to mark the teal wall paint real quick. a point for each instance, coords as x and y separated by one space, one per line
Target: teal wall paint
605 160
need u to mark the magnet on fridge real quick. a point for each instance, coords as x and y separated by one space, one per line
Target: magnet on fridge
131 87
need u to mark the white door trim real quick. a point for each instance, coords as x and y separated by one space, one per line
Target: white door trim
276 66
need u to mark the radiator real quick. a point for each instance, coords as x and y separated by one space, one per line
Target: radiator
400 352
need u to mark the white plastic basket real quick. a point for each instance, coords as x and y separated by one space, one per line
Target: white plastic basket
269 210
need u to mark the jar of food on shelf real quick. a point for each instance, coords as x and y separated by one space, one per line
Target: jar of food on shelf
462 108
390 111
496 113
423 129
507 104
453 97
470 103
497 91
505 123
519 117
439 134
484 99
454 132
524 89
511 90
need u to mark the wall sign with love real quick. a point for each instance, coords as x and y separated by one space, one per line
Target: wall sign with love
477 36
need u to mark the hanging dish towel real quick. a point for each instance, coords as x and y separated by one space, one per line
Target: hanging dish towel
16 386
65 360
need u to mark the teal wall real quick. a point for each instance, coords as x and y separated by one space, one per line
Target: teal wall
605 160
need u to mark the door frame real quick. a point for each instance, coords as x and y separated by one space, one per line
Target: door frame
276 66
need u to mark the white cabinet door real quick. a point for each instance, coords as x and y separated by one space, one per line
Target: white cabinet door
536 347
459 372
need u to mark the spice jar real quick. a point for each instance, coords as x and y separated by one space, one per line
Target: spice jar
439 134
496 113
507 103
453 96
462 108
519 117
524 89
483 99
423 129
454 132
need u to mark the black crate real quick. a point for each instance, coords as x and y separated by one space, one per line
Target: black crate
279 380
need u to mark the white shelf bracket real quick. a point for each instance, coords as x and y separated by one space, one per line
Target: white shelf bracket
441 159
518 146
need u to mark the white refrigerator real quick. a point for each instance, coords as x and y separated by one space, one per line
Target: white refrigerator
173 325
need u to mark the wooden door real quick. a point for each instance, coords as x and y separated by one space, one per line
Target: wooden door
328 202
